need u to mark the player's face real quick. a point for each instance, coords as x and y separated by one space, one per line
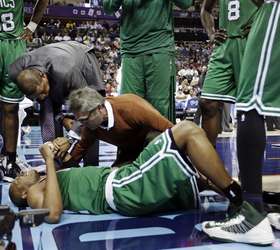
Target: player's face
91 119
25 180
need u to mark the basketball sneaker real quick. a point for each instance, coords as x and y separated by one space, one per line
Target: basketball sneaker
246 225
274 219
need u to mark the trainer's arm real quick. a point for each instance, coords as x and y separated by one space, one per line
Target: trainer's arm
145 115
207 17
110 6
52 195
81 148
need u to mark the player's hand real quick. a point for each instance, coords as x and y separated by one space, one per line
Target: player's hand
61 145
27 35
47 150
219 37
67 123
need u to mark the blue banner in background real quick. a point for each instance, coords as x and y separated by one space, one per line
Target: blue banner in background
75 12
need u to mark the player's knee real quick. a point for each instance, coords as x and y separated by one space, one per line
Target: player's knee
209 108
191 130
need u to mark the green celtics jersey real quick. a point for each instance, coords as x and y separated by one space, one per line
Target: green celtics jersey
11 18
83 189
235 15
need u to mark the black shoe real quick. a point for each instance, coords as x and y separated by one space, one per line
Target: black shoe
12 171
271 197
271 201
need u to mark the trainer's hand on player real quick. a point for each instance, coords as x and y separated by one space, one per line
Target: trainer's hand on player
27 35
47 151
219 37
61 145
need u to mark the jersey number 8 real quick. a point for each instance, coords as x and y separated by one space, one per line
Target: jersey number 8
233 10
7 23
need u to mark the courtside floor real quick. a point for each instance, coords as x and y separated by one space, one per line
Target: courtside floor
181 230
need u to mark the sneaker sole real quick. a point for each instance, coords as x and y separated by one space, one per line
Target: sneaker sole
241 239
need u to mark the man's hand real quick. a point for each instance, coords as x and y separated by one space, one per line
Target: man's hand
27 35
67 123
47 151
218 37
61 145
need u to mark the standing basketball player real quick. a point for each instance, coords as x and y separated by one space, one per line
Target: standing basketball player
258 95
148 50
220 85
12 45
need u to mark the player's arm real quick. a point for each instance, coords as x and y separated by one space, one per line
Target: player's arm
207 17
110 6
183 4
208 22
258 2
52 196
38 13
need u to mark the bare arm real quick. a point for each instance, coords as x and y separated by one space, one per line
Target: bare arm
207 18
216 36
39 10
38 13
52 195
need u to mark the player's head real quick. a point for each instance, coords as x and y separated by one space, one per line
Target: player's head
34 84
88 106
19 187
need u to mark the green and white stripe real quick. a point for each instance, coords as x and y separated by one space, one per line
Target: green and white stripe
267 49
166 151
217 97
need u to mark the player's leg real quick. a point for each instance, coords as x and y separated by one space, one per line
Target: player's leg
211 118
249 101
154 181
10 97
219 86
132 76
160 73
257 95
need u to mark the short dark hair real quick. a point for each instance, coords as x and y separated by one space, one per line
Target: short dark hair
28 80
17 201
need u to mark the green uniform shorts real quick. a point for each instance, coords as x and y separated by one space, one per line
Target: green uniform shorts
260 74
10 50
160 179
222 77
153 77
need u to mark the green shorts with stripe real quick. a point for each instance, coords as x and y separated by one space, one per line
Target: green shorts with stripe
223 70
153 77
260 75
10 50
160 179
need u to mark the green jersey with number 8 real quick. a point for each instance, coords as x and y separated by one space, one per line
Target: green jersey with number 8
235 15
11 18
